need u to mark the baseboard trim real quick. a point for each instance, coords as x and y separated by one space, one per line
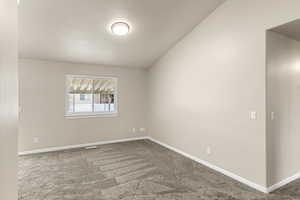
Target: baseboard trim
216 168
53 149
203 162
283 182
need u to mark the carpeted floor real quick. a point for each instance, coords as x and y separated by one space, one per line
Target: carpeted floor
139 170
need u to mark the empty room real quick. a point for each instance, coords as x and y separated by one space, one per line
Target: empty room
149 100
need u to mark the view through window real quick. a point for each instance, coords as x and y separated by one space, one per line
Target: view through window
87 95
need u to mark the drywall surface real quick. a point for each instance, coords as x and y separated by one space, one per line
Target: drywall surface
8 100
202 90
283 72
42 98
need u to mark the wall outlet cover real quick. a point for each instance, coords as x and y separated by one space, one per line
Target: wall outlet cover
142 129
208 150
253 115
36 140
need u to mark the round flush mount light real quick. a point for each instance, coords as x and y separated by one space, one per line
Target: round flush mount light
120 28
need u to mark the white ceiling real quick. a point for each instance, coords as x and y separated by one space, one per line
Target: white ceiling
291 29
76 30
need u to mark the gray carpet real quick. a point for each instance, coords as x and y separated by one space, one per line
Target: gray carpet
139 170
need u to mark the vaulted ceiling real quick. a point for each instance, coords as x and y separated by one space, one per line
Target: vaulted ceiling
291 29
77 30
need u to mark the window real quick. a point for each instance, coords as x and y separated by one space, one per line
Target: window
90 95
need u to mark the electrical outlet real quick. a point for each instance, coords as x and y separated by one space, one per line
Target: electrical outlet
142 129
36 140
253 115
208 150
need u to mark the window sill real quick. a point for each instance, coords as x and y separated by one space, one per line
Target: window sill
86 116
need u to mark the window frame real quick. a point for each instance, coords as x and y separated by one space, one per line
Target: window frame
79 115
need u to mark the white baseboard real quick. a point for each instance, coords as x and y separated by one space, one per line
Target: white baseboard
284 182
223 171
203 162
52 149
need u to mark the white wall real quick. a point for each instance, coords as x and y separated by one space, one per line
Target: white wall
201 91
283 58
8 100
42 97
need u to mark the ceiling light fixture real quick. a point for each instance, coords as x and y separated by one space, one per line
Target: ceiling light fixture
120 28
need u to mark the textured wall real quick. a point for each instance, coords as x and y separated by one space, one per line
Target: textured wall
201 91
42 97
283 58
